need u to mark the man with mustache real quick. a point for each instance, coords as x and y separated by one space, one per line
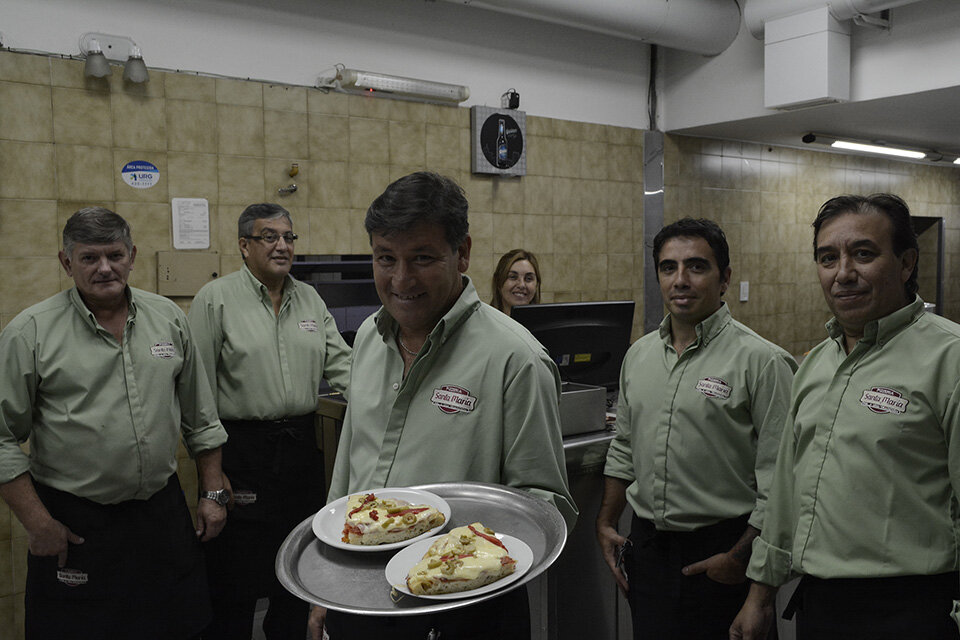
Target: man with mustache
864 502
702 402
105 379
266 341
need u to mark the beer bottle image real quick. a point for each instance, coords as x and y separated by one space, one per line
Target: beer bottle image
501 145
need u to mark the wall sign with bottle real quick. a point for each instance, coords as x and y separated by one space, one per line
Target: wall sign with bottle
498 141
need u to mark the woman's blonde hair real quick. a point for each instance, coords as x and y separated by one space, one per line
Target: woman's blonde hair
503 270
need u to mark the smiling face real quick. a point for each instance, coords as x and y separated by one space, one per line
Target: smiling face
521 285
269 263
100 271
690 280
861 277
417 275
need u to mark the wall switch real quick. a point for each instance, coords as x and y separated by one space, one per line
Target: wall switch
744 291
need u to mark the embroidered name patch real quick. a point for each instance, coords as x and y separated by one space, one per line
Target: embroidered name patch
884 400
714 388
308 325
244 496
453 399
72 577
163 350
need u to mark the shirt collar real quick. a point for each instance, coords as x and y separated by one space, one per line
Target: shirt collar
261 289
883 329
463 308
707 329
84 311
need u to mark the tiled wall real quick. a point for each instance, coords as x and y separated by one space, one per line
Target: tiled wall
766 198
64 139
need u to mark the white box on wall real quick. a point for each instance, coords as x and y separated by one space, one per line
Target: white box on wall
498 141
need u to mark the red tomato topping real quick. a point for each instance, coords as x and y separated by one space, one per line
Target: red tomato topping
486 537
366 499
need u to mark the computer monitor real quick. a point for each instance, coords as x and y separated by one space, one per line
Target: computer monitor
587 340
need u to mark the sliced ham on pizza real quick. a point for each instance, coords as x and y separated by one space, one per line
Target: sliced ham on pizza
371 520
466 558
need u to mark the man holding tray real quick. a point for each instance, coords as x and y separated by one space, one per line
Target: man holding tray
444 388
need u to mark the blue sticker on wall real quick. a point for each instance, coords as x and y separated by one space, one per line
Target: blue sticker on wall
140 174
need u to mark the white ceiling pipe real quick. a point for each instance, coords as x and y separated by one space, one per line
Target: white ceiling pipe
757 12
707 27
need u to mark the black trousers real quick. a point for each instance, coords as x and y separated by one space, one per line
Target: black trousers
664 603
876 608
138 574
504 618
276 472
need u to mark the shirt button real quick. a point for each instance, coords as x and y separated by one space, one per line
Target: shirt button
396 385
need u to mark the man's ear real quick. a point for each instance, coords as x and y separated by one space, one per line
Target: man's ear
65 261
463 255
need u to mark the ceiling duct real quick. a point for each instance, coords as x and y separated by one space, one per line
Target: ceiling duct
697 26
756 13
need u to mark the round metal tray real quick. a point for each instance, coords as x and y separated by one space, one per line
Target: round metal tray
355 582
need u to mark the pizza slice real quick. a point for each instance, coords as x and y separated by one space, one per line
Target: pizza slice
371 520
466 558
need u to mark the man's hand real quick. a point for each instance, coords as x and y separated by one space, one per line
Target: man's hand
755 617
318 615
610 542
211 518
722 568
51 539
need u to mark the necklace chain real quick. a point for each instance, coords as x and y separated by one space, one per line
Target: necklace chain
404 347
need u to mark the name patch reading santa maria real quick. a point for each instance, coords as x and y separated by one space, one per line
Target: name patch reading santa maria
453 399
163 350
714 388
884 400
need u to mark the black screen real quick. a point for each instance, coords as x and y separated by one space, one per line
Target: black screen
587 340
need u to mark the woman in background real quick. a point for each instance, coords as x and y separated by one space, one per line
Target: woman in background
516 280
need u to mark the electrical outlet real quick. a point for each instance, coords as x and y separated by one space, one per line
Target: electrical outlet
744 291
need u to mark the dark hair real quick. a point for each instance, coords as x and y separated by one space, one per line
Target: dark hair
503 270
694 228
887 204
421 197
95 225
254 212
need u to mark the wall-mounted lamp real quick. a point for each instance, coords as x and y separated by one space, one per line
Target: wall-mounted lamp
384 85
873 147
100 48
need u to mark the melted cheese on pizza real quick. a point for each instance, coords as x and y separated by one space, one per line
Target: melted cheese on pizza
371 520
466 558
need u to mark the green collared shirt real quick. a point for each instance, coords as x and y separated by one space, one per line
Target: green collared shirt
104 418
869 466
262 365
697 434
478 404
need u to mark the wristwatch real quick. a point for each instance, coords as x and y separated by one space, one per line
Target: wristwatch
220 496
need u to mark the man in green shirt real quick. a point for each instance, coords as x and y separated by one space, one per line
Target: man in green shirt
266 341
444 388
701 406
863 505
104 380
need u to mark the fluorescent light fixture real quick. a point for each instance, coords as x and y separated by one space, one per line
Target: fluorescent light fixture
957 161
872 148
384 85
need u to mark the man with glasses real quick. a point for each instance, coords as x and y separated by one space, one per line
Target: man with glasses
104 380
266 341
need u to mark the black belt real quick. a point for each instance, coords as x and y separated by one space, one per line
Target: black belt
275 433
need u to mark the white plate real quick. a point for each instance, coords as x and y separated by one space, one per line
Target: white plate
400 565
329 521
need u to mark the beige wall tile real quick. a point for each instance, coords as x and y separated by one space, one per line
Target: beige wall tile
369 141
508 194
150 225
567 296
479 191
241 180
443 147
566 235
8 623
6 531
239 92
538 234
367 181
567 159
593 235
329 137
408 111
188 86
86 173
597 196
285 98
593 160
369 107
123 191
330 185
507 232
191 126
138 122
285 134
620 236
329 230
408 143
28 170
239 130
327 102
82 117
278 175
224 224
567 197
27 112
444 115
538 195
27 281
6 579
192 175
359 238
28 228
22 67
481 230
541 155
